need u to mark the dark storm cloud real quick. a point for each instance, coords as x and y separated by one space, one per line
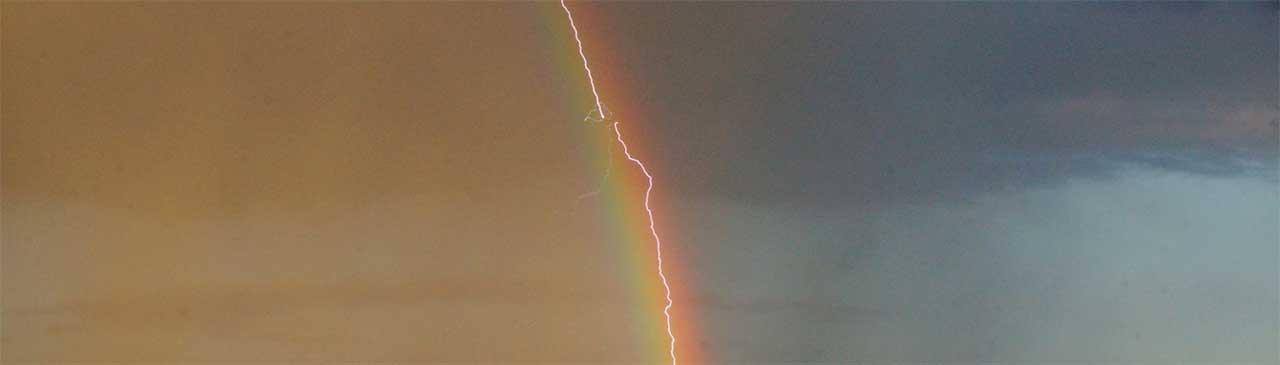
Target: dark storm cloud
973 182
870 101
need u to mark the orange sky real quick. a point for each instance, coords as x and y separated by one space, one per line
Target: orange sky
296 181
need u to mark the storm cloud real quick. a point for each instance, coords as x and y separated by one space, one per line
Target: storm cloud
1008 182
773 104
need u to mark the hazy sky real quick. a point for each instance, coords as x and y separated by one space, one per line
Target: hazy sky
846 182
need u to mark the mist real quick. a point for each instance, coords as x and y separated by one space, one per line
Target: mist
1148 266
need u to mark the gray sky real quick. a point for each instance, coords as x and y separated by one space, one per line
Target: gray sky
1148 266
1009 182
837 102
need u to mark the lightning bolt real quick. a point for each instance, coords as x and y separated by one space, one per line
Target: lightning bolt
592 79
657 241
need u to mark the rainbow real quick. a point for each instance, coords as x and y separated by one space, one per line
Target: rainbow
660 323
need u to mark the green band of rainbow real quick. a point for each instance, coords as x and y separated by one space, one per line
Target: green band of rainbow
623 194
